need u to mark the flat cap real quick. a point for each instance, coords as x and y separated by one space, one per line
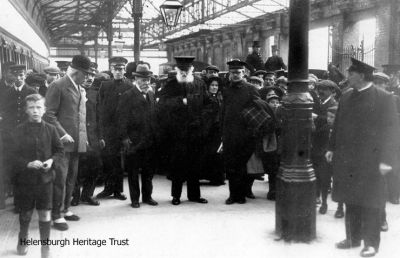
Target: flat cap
382 76
51 70
327 84
35 78
212 68
256 78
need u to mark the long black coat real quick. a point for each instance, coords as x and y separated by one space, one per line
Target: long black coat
365 134
255 62
109 95
182 126
274 63
238 141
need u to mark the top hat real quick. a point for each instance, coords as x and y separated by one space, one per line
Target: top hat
236 64
184 62
142 71
256 44
51 70
360 67
82 63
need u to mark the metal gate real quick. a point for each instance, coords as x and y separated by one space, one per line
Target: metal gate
362 53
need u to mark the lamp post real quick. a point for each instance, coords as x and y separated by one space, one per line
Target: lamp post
170 12
137 14
296 182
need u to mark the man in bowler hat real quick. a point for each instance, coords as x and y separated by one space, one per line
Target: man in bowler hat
363 149
66 110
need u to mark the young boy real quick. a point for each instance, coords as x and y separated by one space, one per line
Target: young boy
37 149
331 114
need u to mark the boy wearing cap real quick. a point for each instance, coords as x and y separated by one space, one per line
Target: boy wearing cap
110 142
183 103
37 150
212 71
363 148
66 110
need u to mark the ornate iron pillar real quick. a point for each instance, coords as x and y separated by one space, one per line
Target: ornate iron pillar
136 15
296 190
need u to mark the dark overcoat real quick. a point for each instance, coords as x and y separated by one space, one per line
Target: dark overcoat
182 126
274 63
29 147
92 118
238 141
365 134
66 110
109 95
255 62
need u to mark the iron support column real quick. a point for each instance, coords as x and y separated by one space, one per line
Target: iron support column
296 182
136 15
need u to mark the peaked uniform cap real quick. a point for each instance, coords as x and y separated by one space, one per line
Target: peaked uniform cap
184 62
360 67
118 61
17 68
236 64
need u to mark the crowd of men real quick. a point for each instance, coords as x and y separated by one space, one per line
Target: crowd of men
98 125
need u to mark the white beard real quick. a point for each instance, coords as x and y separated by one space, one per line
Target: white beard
188 79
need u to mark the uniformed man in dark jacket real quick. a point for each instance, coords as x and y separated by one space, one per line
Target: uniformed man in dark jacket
275 62
238 142
363 148
254 60
109 95
12 112
136 124
182 103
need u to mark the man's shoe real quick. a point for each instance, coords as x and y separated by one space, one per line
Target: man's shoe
135 205
323 208
199 200
176 201
384 226
104 194
62 226
119 196
72 217
151 202
347 244
22 249
45 252
271 196
241 201
250 195
229 201
74 202
368 251
90 201
339 214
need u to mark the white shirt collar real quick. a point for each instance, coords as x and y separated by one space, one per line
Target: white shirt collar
18 88
366 87
324 102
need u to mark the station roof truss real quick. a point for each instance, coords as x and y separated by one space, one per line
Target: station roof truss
200 15
72 22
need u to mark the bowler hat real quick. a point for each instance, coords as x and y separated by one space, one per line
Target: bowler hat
142 71
130 68
82 63
184 62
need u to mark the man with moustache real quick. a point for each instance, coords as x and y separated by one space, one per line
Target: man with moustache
66 110
363 148
182 103
136 124
109 94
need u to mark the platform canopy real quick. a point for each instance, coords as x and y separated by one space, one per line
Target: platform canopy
68 22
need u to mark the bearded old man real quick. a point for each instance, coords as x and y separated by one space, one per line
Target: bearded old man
182 103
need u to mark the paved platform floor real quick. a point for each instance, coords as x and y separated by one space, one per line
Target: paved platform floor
192 230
